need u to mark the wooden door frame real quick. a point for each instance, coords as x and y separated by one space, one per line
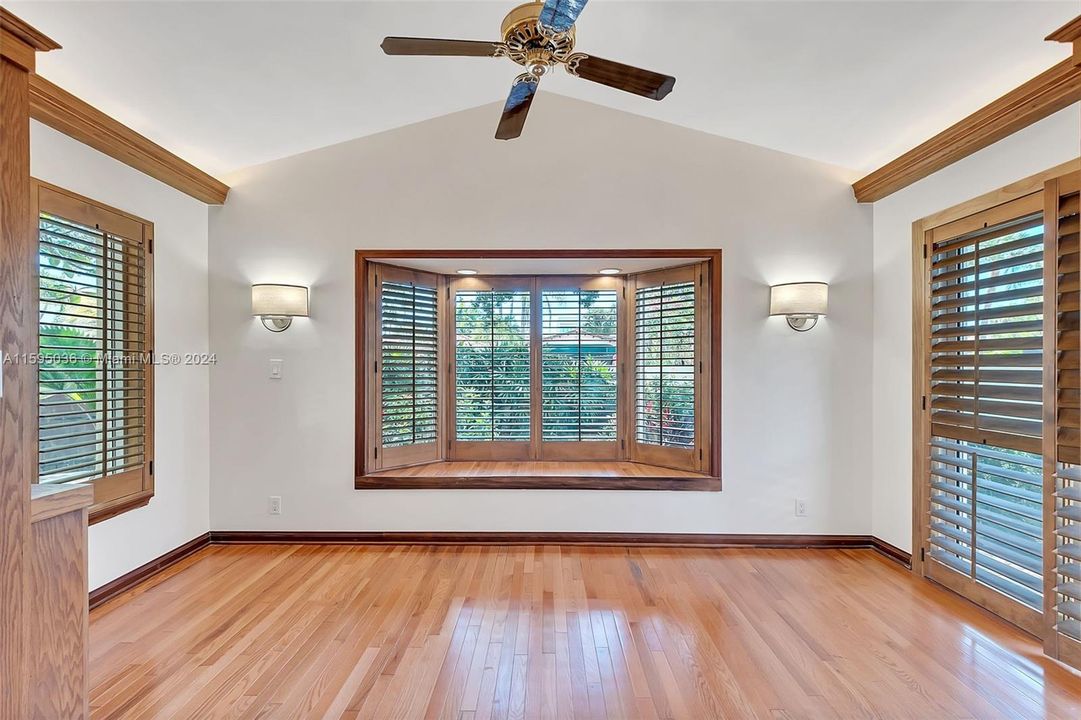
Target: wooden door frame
922 237
19 45
712 256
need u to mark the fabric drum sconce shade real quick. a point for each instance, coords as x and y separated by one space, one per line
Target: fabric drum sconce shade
279 304
801 303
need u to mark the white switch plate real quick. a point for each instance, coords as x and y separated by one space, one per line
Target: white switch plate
275 504
275 369
801 508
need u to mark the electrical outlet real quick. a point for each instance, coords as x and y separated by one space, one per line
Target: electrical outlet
275 369
801 508
275 504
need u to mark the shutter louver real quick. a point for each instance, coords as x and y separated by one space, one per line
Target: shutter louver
492 365
665 364
1064 228
578 350
93 332
986 409
409 363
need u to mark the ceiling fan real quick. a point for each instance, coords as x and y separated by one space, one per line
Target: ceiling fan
538 36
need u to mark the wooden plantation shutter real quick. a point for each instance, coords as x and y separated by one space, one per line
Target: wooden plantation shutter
407 366
1062 443
492 368
95 419
670 332
578 371
985 342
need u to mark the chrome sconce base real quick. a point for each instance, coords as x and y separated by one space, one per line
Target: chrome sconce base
801 323
276 324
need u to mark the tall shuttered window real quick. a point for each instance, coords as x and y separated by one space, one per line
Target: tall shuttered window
667 367
492 366
578 370
1064 227
95 381
408 365
986 387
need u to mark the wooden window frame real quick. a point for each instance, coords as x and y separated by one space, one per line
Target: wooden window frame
709 422
120 492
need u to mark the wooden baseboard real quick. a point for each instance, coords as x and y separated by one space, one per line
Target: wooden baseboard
552 538
674 540
892 552
144 572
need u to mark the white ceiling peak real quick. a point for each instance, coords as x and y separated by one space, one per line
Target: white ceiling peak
227 85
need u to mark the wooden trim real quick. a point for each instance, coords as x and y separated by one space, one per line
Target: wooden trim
1044 95
892 552
1069 33
921 388
1050 410
18 302
144 572
60 110
1021 188
234 537
536 482
25 32
48 501
104 511
362 358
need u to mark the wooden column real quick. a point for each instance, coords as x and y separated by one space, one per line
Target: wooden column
18 44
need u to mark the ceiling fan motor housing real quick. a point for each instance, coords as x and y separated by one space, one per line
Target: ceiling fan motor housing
529 44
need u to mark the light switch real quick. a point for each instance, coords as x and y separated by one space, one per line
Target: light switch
275 369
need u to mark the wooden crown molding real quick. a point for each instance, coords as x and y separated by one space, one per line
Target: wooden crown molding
21 30
1069 33
1044 95
60 110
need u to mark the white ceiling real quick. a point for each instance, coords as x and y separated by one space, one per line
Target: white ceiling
228 85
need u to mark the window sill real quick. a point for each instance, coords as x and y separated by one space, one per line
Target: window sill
104 511
384 481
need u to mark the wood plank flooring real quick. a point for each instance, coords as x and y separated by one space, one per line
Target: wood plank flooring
528 467
475 633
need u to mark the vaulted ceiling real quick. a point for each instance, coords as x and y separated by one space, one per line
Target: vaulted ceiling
229 85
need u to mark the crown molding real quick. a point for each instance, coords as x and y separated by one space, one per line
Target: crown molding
52 105
1047 93
1069 33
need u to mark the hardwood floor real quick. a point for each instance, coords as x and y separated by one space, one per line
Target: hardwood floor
473 633
552 469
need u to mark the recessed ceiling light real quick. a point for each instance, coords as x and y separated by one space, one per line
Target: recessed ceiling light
467 271
609 271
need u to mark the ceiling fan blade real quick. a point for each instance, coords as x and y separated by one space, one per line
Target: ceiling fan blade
435 46
621 77
560 15
517 107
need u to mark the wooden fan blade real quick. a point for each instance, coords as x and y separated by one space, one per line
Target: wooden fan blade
560 15
517 107
435 46
621 77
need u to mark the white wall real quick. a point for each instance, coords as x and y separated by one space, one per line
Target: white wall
796 407
180 509
1039 147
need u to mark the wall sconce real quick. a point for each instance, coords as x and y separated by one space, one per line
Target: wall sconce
801 303
277 305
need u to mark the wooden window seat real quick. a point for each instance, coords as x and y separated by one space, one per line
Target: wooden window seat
520 475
